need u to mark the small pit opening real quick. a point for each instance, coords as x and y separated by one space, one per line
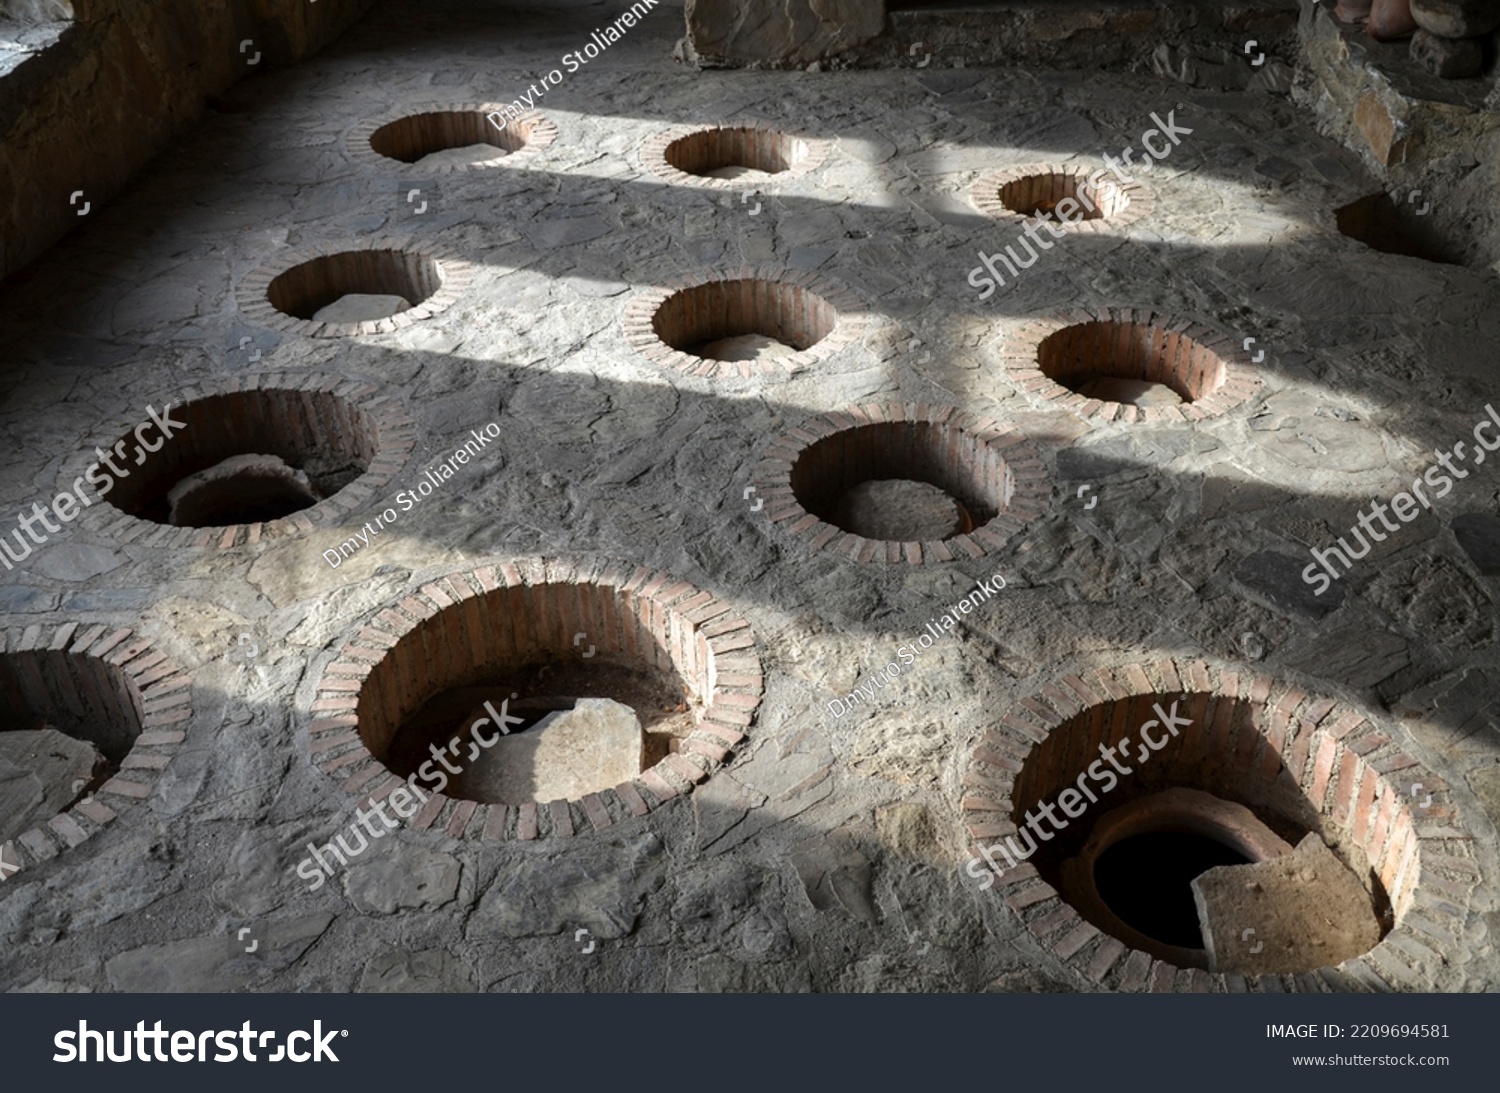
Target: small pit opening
70 723
1382 225
1140 364
451 139
355 286
902 481
744 319
736 153
243 458
1042 194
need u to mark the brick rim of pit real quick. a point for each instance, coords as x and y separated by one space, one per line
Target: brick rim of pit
1020 359
535 130
161 702
732 687
455 274
393 440
1026 496
849 327
1432 869
984 194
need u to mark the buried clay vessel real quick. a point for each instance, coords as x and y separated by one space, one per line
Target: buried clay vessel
1390 20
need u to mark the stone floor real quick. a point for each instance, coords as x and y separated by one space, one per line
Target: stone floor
827 856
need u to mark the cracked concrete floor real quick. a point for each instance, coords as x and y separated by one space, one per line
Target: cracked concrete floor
827 855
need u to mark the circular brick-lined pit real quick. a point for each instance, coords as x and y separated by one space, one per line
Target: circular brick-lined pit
1062 195
1300 762
1089 362
345 437
468 627
991 471
286 293
390 142
693 325
723 155
104 686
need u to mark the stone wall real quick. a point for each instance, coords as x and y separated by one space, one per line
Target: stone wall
35 11
1067 33
780 33
1434 143
117 86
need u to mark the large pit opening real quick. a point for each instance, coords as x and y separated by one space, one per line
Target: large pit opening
244 457
1241 806
1242 828
521 692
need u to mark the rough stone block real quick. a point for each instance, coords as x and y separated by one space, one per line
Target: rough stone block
1303 910
1456 18
591 747
1450 58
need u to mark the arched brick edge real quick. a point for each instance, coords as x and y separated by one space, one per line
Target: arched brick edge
532 131
1019 357
110 674
454 274
1011 466
654 155
985 195
1354 773
307 404
848 327
652 615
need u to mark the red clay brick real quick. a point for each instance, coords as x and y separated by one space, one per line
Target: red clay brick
526 822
